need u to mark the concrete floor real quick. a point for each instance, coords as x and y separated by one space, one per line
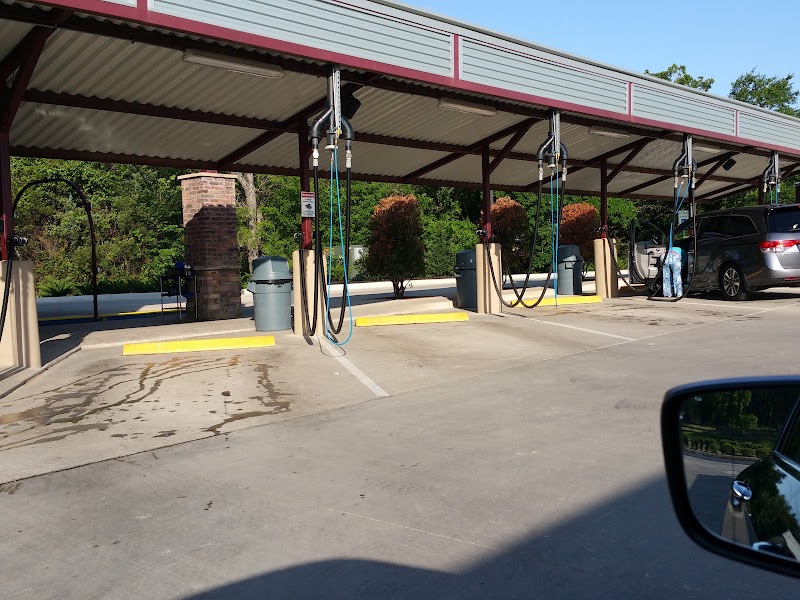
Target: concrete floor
514 456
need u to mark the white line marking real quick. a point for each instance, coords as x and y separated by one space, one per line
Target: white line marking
619 337
357 373
731 305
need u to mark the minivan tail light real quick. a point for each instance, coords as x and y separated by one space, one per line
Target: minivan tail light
777 245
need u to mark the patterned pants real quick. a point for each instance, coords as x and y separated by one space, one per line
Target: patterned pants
672 275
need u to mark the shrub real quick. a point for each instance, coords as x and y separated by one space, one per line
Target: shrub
727 448
395 250
713 447
510 230
579 223
58 286
443 239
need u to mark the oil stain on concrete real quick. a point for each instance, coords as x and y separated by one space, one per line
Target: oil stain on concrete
164 401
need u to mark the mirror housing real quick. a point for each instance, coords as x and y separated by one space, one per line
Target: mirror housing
761 554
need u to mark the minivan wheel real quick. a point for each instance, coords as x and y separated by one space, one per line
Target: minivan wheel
731 282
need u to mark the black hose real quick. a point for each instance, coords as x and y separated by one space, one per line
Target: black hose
345 260
7 286
520 295
310 324
92 235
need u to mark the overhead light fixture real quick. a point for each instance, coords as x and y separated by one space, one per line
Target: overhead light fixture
237 65
467 107
729 164
699 148
606 132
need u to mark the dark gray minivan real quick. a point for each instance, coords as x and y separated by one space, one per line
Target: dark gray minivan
739 250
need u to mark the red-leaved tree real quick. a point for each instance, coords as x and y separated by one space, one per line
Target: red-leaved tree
579 223
510 229
395 250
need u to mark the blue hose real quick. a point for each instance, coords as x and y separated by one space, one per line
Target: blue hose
335 178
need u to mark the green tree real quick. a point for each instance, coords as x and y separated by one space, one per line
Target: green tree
395 249
770 92
138 220
443 239
679 74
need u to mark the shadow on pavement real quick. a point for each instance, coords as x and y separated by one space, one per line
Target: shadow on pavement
629 546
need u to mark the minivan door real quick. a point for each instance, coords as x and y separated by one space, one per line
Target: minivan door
710 236
645 250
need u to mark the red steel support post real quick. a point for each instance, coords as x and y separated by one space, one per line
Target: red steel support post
305 183
5 192
487 194
604 198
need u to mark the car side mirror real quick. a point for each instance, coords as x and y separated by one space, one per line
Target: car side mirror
732 456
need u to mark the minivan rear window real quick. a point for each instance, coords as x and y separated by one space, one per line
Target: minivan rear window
784 220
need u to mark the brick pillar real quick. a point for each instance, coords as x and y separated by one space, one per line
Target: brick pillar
209 220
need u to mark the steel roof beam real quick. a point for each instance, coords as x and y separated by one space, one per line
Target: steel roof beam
523 129
210 165
714 168
626 161
476 148
22 60
752 184
150 110
290 125
657 180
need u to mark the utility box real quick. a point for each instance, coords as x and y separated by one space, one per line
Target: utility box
466 280
354 254
570 271
271 286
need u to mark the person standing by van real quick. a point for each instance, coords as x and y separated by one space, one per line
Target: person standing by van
671 278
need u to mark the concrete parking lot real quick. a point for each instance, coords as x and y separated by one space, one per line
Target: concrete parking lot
506 456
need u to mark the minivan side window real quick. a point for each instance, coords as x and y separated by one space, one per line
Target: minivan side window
741 225
712 227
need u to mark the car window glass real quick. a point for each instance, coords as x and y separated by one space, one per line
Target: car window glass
791 445
741 225
683 232
712 227
784 220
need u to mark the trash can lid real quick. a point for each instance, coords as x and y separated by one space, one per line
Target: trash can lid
569 252
269 268
465 259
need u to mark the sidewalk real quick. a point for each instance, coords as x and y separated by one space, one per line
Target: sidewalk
361 293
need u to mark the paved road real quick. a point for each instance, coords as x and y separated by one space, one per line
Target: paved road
514 457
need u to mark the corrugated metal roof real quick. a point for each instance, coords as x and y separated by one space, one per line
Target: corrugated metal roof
420 118
103 67
11 34
283 152
465 169
390 161
109 68
45 126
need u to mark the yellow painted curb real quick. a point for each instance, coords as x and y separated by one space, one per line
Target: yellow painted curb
562 300
411 319
240 343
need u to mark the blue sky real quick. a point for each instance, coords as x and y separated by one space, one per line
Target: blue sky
712 38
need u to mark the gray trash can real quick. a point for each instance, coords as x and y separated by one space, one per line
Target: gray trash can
271 285
466 280
570 271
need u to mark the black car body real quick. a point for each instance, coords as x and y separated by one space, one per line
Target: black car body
763 509
738 250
